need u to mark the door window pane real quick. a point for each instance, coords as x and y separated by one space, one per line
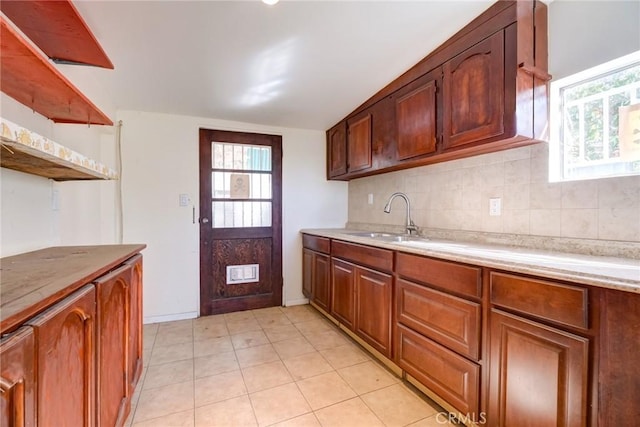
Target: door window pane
236 185
241 214
240 156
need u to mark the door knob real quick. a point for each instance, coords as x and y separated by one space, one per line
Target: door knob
204 220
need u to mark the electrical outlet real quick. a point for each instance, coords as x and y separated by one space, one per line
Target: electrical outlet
370 199
495 206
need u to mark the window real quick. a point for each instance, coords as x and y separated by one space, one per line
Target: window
241 185
595 122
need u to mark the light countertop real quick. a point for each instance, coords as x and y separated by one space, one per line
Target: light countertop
607 272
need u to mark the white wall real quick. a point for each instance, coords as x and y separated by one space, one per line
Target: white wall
583 34
86 212
160 161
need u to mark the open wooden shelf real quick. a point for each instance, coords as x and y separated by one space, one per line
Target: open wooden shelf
28 152
33 80
57 29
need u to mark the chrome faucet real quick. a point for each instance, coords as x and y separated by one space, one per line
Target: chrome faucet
411 227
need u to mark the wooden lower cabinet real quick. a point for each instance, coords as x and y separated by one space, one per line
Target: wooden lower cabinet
134 370
113 314
307 272
66 362
315 281
452 377
373 308
343 285
538 375
17 379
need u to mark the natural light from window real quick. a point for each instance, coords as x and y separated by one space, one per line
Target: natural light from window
595 122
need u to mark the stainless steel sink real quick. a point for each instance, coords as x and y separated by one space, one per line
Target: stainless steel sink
386 237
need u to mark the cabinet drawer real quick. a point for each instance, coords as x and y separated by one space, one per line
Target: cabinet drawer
379 259
451 321
450 276
319 244
552 301
450 376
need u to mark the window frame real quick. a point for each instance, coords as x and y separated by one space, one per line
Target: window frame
556 118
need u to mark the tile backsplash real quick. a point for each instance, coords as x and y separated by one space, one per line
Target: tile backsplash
455 196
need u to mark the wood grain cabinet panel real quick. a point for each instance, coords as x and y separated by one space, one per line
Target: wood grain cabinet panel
316 271
307 272
449 276
321 289
337 150
343 276
113 314
135 323
373 308
359 139
416 120
538 374
474 93
66 360
451 321
17 379
556 302
450 376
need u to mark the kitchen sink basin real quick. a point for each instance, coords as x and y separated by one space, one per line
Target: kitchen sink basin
387 237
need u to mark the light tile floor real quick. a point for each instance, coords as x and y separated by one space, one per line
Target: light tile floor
270 367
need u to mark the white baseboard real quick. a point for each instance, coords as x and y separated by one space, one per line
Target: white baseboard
301 301
170 317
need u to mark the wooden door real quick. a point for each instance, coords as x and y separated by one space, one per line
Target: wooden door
343 292
416 118
65 347
359 143
321 287
337 150
474 93
373 308
135 323
113 314
240 221
17 379
538 375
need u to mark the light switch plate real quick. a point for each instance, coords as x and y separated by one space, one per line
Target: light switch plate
185 200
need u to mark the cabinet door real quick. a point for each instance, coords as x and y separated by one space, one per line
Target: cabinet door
474 93
373 308
65 339
416 119
337 150
359 143
307 272
343 292
135 323
452 377
113 314
321 289
17 379
538 374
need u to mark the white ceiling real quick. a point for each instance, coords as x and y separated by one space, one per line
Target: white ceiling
302 64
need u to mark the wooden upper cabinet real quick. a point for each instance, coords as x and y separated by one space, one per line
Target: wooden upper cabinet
483 90
337 150
474 93
416 119
17 379
359 143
